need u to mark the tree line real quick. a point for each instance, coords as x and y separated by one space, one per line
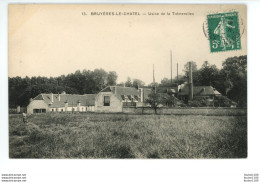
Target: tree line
80 82
230 80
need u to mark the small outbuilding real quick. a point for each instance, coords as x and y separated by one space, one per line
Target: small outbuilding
198 91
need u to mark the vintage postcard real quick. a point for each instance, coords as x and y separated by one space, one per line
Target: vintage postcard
127 81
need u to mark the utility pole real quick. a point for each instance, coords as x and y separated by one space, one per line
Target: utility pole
190 82
154 80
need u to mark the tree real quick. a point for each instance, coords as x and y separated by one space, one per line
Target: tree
137 83
128 82
235 73
154 99
153 85
193 65
207 74
165 82
169 100
90 82
100 79
111 78
121 84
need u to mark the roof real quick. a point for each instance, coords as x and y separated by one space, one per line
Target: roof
71 99
127 93
199 91
122 93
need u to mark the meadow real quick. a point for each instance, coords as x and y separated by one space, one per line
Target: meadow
106 136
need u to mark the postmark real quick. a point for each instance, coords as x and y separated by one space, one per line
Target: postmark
224 32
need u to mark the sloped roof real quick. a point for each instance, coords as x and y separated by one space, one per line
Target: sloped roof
199 91
120 92
125 90
71 99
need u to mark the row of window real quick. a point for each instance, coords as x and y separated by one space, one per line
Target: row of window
107 102
55 110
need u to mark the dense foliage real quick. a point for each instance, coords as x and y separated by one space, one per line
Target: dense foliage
230 80
80 82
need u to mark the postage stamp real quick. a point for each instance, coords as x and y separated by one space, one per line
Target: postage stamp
224 32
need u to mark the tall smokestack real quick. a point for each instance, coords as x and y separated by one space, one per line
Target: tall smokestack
171 66
190 82
51 97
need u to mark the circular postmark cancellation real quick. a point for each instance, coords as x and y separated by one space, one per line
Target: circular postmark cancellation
224 31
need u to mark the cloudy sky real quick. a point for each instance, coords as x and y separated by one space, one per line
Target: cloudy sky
51 40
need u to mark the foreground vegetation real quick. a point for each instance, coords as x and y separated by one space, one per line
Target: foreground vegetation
127 136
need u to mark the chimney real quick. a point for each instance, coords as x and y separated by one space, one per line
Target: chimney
78 105
66 105
51 97
113 90
190 82
141 90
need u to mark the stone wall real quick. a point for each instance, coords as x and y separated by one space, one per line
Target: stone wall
189 111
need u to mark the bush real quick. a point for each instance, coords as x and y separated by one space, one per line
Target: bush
200 102
222 101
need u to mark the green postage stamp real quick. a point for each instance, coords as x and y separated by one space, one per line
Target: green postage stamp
223 32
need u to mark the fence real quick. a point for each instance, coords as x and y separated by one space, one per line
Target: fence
189 111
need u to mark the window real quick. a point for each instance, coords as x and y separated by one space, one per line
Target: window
106 101
39 110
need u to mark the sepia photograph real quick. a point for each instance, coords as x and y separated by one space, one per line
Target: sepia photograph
135 81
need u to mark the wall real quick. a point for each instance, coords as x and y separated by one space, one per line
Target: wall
189 111
115 103
69 109
90 108
37 104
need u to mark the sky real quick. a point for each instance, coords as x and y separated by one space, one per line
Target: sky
52 40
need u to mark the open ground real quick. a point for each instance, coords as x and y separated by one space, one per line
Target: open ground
100 135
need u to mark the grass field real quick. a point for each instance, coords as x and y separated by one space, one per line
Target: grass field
92 135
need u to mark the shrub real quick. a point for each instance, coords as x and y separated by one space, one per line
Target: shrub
199 102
